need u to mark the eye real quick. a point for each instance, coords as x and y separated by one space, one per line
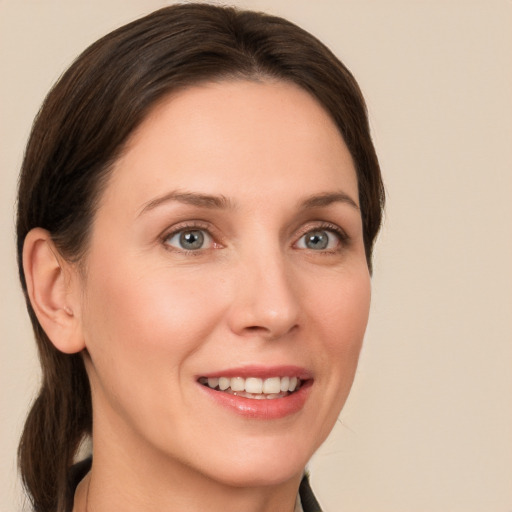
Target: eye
190 239
319 240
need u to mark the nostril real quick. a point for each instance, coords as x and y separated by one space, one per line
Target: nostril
258 330
267 332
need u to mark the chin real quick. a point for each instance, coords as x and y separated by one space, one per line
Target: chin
263 466
269 476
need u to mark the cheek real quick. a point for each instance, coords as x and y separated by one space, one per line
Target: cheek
337 319
145 311
142 324
341 317
343 310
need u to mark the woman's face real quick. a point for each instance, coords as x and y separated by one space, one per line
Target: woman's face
227 245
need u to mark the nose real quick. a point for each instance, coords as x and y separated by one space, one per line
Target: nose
266 301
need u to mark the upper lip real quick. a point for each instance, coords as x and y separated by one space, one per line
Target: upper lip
263 372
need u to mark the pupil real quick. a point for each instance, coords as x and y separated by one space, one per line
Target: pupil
192 239
317 240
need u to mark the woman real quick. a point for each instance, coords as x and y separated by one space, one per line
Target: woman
197 210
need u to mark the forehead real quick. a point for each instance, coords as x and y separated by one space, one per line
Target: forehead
242 138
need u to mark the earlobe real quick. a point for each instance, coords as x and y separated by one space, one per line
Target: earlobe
52 289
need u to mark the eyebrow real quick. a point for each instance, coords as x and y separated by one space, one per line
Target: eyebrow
326 199
192 198
221 202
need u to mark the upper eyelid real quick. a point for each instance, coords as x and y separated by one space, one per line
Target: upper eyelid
325 225
187 225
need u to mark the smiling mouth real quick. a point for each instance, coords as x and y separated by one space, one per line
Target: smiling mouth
254 387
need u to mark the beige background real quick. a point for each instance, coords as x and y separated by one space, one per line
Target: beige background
428 426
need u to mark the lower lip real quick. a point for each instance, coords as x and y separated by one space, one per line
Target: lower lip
264 409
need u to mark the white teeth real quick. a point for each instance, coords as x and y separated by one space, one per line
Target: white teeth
224 383
237 384
213 382
253 385
273 387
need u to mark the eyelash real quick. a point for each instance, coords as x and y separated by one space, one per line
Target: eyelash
341 235
189 226
199 226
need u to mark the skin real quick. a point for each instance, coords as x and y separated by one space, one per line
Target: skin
152 317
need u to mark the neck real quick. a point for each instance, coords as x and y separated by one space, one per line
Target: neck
96 495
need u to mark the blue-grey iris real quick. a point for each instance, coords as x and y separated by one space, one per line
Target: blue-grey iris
317 240
191 240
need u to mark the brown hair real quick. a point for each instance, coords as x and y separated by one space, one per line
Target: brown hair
80 131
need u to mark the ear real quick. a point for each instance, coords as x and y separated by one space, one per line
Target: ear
53 287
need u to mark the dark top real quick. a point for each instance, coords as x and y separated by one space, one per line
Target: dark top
78 471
